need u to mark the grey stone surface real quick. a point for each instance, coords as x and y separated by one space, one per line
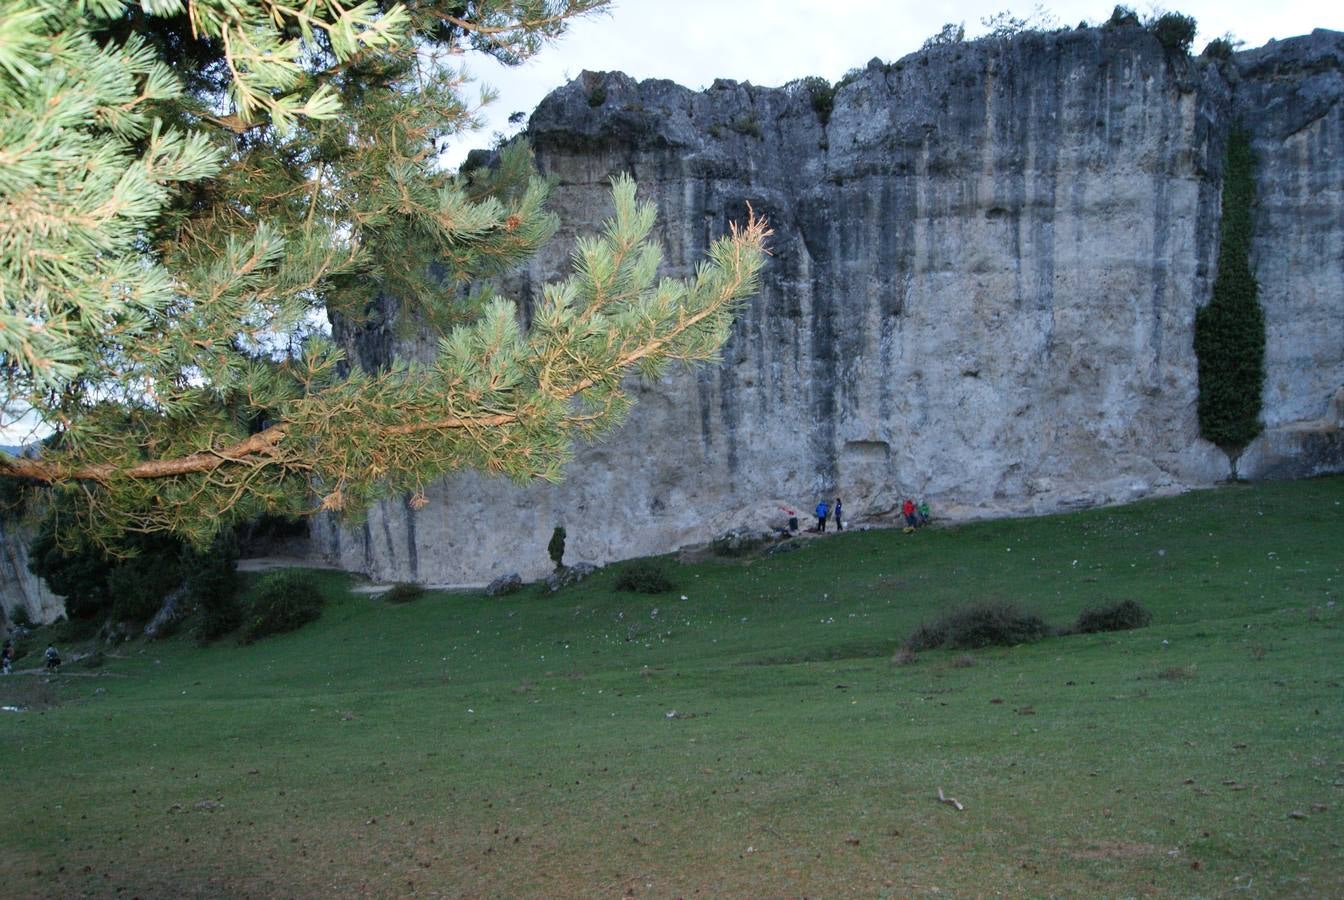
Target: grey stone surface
565 576
504 584
19 588
985 270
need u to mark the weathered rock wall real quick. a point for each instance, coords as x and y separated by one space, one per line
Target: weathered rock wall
21 590
985 270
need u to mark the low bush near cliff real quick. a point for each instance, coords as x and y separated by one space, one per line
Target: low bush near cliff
981 625
282 601
644 578
403 592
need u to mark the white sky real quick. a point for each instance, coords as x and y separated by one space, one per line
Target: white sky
772 42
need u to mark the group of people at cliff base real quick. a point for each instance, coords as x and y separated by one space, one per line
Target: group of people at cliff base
915 515
51 657
824 512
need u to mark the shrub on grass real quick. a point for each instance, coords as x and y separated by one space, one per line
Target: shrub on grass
73 630
212 585
403 592
137 588
981 625
282 601
1120 616
644 578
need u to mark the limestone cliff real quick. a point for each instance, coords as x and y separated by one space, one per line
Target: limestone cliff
20 590
986 264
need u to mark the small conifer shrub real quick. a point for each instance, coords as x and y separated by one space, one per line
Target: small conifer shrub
979 625
1174 31
644 578
1122 616
403 592
556 548
281 601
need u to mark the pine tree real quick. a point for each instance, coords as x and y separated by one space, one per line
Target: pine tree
186 188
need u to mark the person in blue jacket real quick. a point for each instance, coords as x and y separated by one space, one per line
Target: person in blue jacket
822 511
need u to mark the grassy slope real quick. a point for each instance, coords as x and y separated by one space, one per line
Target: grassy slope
522 746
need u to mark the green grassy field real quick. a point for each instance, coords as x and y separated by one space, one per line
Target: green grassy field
743 735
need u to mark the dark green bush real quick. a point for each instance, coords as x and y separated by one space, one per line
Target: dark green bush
951 33
1122 16
212 586
981 625
77 573
556 548
1120 616
403 592
281 601
128 584
138 585
822 95
1219 48
644 578
597 96
746 124
1174 31
71 631
220 615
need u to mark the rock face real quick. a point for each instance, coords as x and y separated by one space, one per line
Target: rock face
986 264
21 590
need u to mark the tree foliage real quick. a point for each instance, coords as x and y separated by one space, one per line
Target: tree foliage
1004 24
950 33
1174 30
1230 330
186 189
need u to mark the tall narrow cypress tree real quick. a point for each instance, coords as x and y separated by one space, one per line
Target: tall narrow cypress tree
1230 330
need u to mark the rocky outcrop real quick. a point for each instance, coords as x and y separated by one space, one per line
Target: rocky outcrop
986 264
20 590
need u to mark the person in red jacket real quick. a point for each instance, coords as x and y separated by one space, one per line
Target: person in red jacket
908 510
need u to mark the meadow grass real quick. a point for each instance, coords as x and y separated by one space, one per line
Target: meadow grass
744 734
